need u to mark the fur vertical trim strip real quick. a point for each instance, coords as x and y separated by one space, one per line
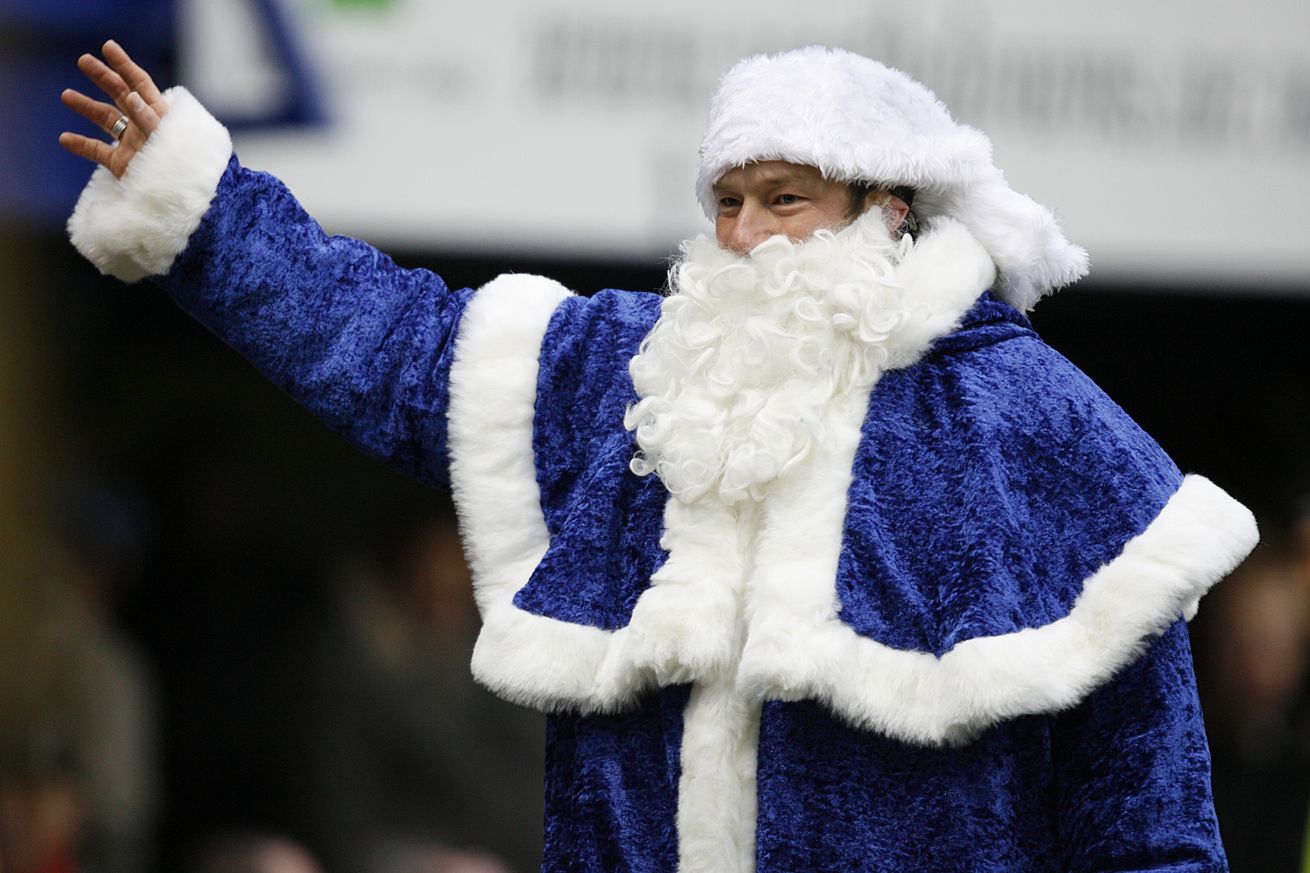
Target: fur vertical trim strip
796 646
135 227
718 800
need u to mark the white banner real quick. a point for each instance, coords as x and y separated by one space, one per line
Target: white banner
1173 138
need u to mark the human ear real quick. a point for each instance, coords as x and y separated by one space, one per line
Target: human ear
894 209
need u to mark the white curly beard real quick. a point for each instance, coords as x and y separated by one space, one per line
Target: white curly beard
734 378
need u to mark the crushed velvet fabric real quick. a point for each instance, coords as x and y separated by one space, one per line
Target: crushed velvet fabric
994 526
601 519
612 787
990 480
330 320
1119 783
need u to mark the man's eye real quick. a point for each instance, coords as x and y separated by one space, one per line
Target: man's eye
787 199
728 203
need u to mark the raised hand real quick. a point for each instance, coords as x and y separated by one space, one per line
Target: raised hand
136 100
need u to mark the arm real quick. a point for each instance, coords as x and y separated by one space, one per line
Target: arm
363 344
1133 770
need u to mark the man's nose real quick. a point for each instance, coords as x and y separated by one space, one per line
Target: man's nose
753 226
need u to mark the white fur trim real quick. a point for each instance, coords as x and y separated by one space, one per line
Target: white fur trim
797 647
136 226
945 274
687 624
858 120
530 659
493 390
718 801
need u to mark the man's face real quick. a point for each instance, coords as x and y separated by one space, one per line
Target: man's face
760 200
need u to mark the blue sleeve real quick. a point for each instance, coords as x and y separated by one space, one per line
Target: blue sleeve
1132 770
363 344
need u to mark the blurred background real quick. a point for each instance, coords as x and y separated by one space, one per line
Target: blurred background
230 643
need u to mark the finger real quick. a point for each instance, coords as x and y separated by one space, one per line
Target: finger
105 79
136 78
86 147
101 114
142 114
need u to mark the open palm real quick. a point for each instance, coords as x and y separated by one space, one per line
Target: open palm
134 96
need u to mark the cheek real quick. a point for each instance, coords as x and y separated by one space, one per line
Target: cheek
803 225
722 231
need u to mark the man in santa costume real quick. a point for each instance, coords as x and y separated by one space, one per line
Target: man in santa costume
824 561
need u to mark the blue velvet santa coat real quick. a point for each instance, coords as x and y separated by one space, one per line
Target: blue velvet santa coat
952 639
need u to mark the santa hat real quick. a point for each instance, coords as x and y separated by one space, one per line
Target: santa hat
860 121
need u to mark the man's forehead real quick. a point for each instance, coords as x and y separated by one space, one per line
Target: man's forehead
770 172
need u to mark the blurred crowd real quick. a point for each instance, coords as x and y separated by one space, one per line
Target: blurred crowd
1253 650
390 759
392 762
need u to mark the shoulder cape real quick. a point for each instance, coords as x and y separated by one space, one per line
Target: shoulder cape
992 536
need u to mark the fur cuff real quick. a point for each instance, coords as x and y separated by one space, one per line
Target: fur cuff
136 226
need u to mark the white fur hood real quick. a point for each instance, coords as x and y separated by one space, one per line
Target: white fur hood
858 120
